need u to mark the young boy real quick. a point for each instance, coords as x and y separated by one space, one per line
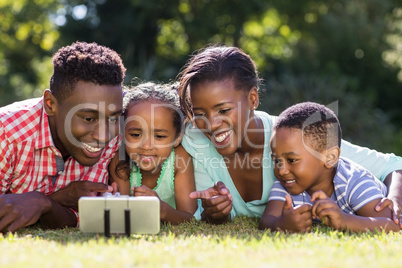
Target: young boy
314 182
68 135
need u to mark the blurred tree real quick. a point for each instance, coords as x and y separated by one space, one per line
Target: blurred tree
27 37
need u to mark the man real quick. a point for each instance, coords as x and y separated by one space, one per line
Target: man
55 149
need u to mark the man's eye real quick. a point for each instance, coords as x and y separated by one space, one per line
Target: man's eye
89 119
113 119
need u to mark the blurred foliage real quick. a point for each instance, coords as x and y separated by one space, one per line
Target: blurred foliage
345 51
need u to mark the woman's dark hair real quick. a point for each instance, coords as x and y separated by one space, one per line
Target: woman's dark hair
217 63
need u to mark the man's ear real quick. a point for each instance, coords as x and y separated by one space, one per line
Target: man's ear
50 103
253 98
332 156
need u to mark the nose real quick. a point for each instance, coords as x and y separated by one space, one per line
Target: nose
282 168
215 122
147 143
102 132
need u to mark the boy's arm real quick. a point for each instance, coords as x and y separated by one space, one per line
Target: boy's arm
394 184
279 215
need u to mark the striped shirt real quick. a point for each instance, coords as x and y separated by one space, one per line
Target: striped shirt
29 161
354 187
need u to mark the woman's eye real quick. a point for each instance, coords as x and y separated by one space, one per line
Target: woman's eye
224 111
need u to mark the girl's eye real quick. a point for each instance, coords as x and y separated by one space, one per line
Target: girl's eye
136 135
199 115
160 136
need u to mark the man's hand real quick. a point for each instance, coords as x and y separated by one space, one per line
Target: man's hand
21 210
216 201
69 195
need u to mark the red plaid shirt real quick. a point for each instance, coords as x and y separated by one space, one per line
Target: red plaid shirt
28 155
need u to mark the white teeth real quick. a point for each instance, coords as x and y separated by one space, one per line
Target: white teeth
292 181
91 149
222 136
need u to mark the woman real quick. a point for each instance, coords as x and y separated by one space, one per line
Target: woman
230 144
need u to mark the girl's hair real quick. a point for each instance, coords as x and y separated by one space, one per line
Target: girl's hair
165 94
160 93
217 63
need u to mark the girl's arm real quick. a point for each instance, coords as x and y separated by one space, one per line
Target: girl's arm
184 184
123 184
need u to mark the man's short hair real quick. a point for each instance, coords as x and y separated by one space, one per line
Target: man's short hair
87 62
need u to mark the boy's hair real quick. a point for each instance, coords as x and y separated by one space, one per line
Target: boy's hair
216 63
87 62
160 93
320 126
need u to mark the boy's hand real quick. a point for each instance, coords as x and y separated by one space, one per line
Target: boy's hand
297 219
326 210
216 201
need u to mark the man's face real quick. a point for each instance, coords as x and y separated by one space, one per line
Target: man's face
86 121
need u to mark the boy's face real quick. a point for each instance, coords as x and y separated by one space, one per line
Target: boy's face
295 167
86 121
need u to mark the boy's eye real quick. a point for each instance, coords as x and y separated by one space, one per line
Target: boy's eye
136 135
160 136
290 160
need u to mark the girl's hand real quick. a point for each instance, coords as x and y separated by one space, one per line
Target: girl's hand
216 201
326 210
143 191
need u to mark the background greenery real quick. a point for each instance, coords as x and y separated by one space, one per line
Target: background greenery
197 244
346 53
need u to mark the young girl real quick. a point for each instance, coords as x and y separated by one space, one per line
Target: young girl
155 164
230 142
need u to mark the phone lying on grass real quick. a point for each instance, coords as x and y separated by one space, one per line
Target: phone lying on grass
114 214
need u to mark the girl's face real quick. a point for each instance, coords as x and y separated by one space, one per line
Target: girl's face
223 113
296 168
150 134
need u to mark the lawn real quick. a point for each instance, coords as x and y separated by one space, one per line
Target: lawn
197 244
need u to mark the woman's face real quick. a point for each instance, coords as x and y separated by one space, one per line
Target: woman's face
223 113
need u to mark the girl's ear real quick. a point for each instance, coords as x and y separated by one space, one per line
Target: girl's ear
49 103
178 141
332 157
253 98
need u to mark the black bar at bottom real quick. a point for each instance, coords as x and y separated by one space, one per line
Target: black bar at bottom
107 222
127 224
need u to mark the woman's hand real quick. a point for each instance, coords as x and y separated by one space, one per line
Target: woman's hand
216 201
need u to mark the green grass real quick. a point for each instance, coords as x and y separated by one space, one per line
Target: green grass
197 244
